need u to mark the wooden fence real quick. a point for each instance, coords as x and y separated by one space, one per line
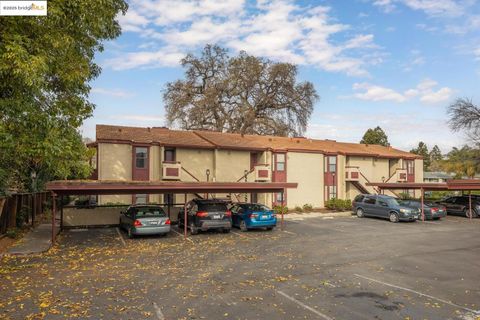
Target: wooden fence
22 208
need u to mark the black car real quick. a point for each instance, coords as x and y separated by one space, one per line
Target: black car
205 214
460 205
432 210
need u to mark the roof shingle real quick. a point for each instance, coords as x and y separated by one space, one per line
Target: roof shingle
211 139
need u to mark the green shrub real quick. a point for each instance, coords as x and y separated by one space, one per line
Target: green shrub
307 207
338 204
404 196
22 216
13 233
298 209
280 209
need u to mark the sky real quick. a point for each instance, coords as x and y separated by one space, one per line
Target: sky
397 64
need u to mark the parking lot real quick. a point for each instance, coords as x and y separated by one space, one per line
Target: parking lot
318 268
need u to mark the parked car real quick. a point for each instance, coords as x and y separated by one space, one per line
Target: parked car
382 206
203 214
460 205
144 220
431 209
253 215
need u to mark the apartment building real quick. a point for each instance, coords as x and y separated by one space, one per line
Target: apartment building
323 169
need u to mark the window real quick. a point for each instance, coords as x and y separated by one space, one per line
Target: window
169 154
280 162
331 164
410 167
382 203
148 212
279 197
331 192
370 200
359 198
140 199
141 157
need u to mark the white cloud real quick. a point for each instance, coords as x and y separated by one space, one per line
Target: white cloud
434 8
112 92
159 58
441 95
279 30
425 91
377 93
416 59
386 5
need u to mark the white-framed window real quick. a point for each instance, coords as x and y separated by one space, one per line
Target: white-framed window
141 157
140 199
280 162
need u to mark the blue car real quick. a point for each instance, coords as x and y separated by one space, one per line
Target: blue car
248 216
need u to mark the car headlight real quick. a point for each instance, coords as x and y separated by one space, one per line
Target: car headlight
405 211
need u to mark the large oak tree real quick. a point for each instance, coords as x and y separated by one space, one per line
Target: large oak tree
242 94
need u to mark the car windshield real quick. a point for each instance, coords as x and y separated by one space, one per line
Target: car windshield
256 207
149 212
213 206
392 202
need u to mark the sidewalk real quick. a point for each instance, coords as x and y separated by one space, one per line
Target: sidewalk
306 215
36 241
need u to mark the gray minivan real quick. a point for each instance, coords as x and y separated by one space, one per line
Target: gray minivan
382 206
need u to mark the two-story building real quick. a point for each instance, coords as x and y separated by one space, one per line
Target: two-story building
323 169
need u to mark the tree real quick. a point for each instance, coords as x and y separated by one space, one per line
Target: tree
242 94
436 158
464 115
463 162
46 64
422 150
375 136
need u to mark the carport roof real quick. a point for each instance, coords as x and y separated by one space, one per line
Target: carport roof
102 187
452 184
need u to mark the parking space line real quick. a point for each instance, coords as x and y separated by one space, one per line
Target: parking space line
181 235
240 234
289 232
476 312
158 312
121 237
318 313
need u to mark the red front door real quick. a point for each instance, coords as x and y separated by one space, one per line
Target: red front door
410 164
330 177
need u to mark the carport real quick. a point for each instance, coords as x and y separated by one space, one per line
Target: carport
451 185
99 187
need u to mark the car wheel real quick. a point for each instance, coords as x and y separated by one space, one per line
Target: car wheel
360 213
130 233
243 226
226 230
393 217
193 229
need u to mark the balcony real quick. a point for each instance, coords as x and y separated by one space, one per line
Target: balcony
171 170
262 173
352 173
401 175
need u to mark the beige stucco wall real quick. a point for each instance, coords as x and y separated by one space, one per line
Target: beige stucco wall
374 169
115 163
155 171
307 170
73 217
418 174
196 161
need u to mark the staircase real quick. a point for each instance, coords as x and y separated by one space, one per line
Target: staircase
360 187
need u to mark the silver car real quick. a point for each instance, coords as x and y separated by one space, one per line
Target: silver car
144 220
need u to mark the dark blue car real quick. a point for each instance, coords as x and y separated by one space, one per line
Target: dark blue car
253 215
